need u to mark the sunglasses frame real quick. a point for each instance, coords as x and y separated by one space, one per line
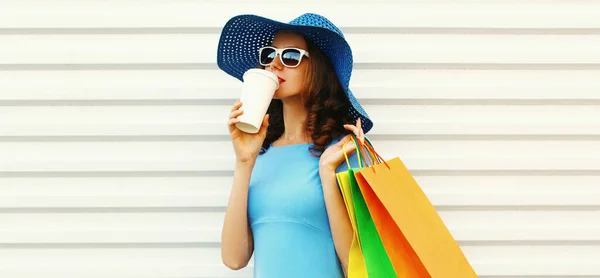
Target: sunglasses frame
279 52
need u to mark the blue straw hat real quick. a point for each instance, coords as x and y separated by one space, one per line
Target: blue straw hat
243 35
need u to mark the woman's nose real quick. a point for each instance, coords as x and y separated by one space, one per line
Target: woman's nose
276 63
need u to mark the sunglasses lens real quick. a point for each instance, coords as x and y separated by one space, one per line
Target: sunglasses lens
267 55
291 57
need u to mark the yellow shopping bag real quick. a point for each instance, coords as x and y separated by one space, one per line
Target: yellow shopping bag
414 217
356 261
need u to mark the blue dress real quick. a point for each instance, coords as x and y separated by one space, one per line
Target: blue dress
288 217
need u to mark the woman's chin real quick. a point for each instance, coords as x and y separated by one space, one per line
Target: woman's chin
279 94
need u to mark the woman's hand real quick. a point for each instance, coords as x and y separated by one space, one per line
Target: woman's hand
246 145
334 155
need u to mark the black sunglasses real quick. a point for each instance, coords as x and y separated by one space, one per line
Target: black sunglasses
290 57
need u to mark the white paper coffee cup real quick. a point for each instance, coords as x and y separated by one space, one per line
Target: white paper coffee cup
257 92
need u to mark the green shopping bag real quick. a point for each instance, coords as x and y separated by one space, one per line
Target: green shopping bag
376 259
356 261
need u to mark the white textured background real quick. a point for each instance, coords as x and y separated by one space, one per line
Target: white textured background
115 160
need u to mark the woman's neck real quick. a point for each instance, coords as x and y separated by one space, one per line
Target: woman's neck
294 119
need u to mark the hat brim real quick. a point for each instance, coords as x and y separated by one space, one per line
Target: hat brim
243 35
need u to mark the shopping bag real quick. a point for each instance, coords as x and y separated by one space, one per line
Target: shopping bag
375 256
404 259
414 216
356 261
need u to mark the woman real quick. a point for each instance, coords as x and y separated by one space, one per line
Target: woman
285 206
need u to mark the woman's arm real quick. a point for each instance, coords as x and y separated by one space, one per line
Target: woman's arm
341 229
330 163
237 244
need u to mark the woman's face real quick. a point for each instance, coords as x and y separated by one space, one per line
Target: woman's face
291 80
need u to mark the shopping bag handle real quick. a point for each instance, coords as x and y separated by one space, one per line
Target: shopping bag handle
364 150
361 149
371 150
357 153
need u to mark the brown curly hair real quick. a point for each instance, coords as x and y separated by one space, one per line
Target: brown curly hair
324 99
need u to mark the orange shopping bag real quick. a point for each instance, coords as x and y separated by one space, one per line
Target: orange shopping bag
413 233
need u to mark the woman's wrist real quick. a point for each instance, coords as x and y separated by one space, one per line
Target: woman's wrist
245 164
326 170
